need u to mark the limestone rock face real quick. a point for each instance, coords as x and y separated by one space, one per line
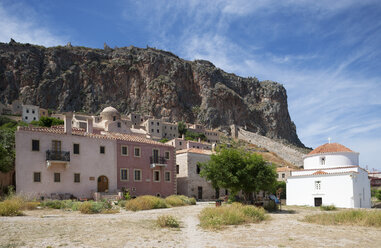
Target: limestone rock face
149 81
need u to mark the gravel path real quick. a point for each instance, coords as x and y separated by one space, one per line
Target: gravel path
57 228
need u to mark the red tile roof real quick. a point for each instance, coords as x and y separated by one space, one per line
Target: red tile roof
81 132
319 173
330 148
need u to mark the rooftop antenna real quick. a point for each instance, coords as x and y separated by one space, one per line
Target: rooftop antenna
329 140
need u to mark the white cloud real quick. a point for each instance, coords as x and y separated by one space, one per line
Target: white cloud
25 28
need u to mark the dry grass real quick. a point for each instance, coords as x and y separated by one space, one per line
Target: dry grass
233 214
167 221
146 202
11 207
179 200
370 218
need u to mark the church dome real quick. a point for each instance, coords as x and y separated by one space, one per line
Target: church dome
330 148
110 114
110 110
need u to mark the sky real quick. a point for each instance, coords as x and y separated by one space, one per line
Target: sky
327 54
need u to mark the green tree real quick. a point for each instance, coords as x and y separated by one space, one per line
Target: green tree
182 128
239 170
164 140
189 135
47 122
7 149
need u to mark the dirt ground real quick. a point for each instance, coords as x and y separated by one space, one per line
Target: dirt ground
58 228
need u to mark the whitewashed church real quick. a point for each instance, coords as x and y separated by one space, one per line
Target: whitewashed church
331 175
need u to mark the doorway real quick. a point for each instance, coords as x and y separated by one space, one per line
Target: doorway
102 184
199 192
318 201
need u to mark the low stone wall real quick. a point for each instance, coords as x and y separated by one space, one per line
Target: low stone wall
287 153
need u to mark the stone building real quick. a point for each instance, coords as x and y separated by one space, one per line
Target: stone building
30 113
189 182
181 143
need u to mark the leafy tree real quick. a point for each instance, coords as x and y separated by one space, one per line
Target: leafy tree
182 128
7 148
280 185
47 122
189 135
238 170
163 140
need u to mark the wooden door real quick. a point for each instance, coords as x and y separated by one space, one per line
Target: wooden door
56 146
318 201
102 184
199 195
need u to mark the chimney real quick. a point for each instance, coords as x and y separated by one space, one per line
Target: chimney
68 120
89 125
182 136
199 140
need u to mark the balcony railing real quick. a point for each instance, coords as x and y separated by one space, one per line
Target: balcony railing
58 155
157 161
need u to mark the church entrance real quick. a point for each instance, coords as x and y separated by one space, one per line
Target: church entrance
318 201
102 184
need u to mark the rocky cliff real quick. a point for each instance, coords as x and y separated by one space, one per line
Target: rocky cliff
149 81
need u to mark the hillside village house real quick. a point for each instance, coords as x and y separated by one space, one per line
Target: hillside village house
75 161
189 181
30 113
283 173
181 143
331 175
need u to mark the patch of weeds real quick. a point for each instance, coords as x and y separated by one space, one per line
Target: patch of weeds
328 208
146 202
167 221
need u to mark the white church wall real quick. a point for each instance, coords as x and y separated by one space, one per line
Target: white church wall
361 190
331 160
334 189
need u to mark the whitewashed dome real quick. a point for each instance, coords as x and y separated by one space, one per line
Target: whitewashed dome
110 114
331 155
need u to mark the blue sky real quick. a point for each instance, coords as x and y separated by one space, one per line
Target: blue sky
327 54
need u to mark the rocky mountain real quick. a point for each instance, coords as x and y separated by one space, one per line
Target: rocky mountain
149 81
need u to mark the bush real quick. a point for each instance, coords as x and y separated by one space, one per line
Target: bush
233 214
146 202
91 207
328 207
122 203
11 207
378 195
347 217
55 204
30 205
167 221
179 200
271 206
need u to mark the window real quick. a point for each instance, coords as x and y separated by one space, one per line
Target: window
124 150
26 117
34 118
114 118
167 176
123 174
181 143
102 149
118 124
57 177
35 145
166 155
152 130
137 151
157 130
317 185
198 169
155 155
177 169
37 177
77 177
151 122
27 110
158 123
137 175
156 176
56 145
76 148
322 160
32 111
283 175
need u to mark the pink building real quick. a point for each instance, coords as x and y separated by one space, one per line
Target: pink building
145 167
72 161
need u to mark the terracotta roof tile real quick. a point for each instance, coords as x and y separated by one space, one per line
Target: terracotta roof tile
330 148
81 132
284 169
333 173
319 173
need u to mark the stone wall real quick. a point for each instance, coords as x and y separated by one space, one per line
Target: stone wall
287 153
